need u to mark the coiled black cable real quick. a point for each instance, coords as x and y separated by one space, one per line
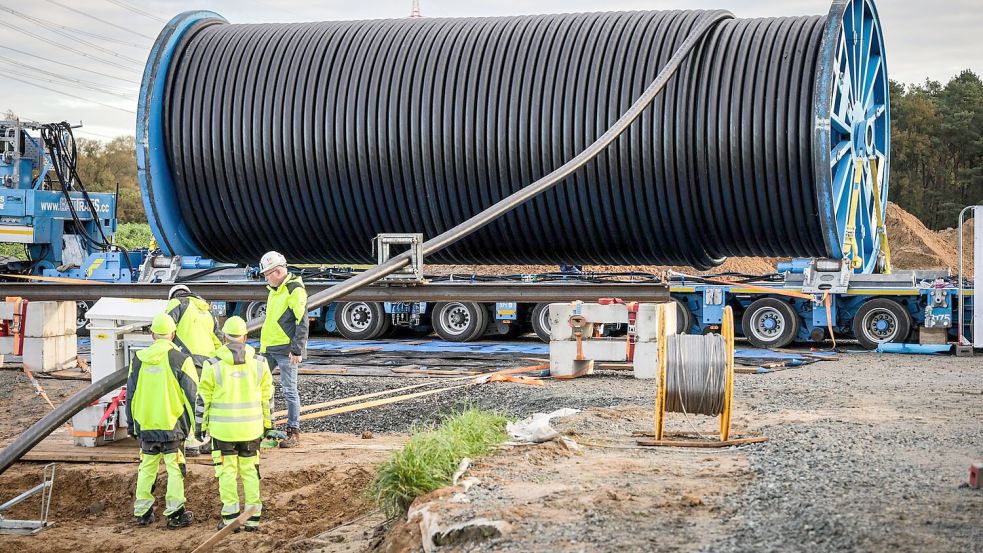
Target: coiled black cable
313 138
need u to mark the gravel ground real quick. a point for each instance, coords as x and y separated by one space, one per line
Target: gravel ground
510 399
881 468
868 453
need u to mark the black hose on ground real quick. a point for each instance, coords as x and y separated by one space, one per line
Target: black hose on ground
62 414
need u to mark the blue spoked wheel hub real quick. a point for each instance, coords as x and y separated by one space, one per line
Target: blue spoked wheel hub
853 115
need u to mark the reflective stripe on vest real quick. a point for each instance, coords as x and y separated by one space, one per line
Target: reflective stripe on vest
245 405
216 364
244 418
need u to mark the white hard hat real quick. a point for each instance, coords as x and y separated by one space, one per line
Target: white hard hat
179 289
270 261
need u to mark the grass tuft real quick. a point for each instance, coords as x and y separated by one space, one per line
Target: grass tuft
428 460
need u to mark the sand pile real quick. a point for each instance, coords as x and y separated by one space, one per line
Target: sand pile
913 246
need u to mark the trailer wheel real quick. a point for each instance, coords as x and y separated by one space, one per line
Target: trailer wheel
458 321
770 323
540 320
879 321
360 320
684 318
254 310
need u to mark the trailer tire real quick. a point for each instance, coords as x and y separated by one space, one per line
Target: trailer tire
684 318
770 323
540 321
879 321
254 310
459 321
361 320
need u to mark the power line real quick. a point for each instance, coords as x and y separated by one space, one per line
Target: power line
74 39
62 46
94 72
136 10
90 16
51 26
63 93
29 75
107 137
60 76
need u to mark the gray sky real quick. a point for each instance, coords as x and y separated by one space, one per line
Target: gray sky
923 39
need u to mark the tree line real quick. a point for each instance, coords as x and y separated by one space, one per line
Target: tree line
937 148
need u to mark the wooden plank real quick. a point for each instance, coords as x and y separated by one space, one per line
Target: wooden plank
361 349
703 443
94 455
212 541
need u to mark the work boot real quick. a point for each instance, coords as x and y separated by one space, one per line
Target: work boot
180 519
223 523
192 451
146 519
252 523
292 439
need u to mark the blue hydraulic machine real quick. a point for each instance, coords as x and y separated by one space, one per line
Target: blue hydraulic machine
66 231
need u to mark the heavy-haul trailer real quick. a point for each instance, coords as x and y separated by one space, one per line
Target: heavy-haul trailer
870 308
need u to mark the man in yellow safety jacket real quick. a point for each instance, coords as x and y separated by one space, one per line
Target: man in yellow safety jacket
160 394
236 389
197 335
197 330
284 335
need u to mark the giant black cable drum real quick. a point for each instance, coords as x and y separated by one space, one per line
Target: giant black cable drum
313 138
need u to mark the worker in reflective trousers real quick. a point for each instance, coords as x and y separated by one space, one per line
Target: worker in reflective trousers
197 335
236 389
284 335
160 394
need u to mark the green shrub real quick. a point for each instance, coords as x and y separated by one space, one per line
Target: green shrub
428 460
133 236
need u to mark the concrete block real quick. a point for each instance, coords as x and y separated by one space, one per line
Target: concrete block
646 362
54 353
44 318
593 312
647 321
562 354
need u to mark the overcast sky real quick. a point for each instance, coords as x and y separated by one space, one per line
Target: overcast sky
923 39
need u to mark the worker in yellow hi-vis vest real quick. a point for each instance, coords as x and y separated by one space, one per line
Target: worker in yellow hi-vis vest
236 388
160 394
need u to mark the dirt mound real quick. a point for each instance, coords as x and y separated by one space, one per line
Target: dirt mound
300 501
913 246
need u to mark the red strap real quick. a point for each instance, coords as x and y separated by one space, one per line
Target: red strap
112 406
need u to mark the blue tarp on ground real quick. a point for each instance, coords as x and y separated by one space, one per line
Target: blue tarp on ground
433 346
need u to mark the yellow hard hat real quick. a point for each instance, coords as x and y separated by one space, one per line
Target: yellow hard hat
163 324
235 326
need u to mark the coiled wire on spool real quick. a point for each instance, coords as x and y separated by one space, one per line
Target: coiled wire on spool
696 374
313 138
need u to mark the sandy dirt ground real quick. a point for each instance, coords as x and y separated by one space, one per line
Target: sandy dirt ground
307 491
870 453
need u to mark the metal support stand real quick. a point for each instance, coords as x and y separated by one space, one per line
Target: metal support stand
30 527
964 348
412 272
